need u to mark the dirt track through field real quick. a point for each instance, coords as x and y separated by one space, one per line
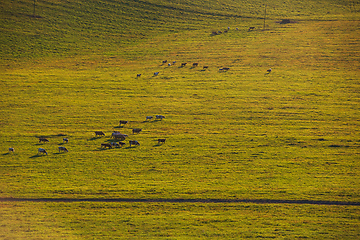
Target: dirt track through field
177 200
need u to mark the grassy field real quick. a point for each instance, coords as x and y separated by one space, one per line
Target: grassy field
291 135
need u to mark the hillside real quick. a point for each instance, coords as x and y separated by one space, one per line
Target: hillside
249 153
68 28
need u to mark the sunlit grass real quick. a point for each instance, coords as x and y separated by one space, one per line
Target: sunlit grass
238 134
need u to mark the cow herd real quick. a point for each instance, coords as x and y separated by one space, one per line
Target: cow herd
195 64
116 138
116 135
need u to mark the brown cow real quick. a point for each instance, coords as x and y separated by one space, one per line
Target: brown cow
134 142
161 140
195 64
106 145
63 149
136 130
43 140
123 122
99 133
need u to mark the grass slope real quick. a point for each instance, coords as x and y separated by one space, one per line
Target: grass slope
288 135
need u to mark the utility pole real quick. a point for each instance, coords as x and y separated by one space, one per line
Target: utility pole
34 8
265 17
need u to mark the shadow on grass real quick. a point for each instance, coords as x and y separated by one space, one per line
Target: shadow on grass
8 153
94 138
183 200
38 155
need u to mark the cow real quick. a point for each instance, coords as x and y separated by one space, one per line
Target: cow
138 75
123 122
41 150
118 135
114 144
159 117
251 28
121 144
43 140
11 149
149 117
65 140
269 71
169 64
224 69
165 61
134 142
205 67
174 62
99 133
161 140
106 145
195 64
156 73
183 64
136 130
63 149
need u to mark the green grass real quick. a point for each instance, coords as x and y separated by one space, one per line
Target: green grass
177 221
241 134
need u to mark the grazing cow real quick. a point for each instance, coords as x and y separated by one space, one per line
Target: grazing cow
156 73
237 28
149 117
114 144
134 142
183 64
106 145
160 117
195 64
63 149
99 133
65 140
123 122
118 135
165 61
169 64
121 144
251 28
41 150
161 140
11 149
138 75
174 62
224 69
136 130
269 70
43 140
205 67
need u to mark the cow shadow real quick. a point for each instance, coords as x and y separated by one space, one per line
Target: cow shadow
38 155
94 138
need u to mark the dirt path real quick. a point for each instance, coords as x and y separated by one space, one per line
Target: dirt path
177 200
